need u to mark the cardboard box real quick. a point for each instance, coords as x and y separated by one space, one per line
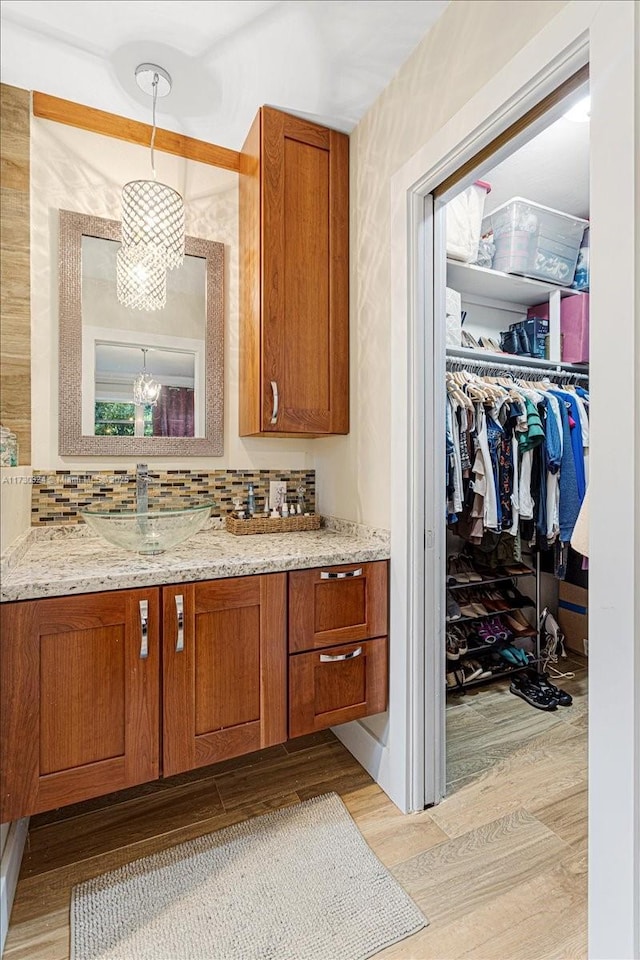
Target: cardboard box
573 616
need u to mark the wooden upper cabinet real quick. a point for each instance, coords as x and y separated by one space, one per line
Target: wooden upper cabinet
225 670
294 328
79 708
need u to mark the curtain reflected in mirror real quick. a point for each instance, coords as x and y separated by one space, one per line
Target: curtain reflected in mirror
115 411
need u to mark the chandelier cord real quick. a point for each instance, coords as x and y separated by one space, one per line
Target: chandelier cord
156 80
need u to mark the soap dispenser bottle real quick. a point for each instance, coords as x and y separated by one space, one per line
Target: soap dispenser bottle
251 501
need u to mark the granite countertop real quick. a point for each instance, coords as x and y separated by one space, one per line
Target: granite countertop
60 561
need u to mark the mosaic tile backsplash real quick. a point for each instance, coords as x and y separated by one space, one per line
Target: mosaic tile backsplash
58 496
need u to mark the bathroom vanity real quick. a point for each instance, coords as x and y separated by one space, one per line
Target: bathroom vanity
117 669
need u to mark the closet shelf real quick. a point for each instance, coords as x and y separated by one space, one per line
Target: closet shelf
495 285
482 616
485 583
499 675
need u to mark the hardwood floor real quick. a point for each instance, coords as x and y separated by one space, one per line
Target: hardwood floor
499 867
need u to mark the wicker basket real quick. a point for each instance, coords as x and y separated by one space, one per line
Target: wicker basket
272 524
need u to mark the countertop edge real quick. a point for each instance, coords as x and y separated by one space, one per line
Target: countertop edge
357 544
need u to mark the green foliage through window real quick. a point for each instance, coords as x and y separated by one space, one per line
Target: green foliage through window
118 419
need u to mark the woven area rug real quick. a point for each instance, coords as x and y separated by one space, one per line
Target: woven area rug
296 884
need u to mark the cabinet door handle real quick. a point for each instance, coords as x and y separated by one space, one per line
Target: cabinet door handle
144 629
328 658
180 620
276 402
342 575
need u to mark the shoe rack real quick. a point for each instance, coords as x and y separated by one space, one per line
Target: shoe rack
479 626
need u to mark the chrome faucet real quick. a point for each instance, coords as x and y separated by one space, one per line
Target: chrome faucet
142 488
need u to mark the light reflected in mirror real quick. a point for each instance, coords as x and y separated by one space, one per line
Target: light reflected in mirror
104 347
118 343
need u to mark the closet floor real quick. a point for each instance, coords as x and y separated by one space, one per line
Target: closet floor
499 867
486 724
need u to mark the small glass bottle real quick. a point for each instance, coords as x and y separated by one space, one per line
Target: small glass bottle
8 448
251 501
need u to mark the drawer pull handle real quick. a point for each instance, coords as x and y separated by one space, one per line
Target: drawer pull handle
327 658
343 575
144 629
180 620
274 391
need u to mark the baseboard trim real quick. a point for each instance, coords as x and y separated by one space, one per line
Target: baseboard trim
9 870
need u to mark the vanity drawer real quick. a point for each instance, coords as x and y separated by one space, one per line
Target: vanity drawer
337 685
333 605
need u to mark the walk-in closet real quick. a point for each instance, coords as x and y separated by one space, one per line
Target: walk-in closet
517 444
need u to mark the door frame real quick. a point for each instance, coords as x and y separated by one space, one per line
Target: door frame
603 34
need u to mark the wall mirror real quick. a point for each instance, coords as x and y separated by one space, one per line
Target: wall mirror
104 347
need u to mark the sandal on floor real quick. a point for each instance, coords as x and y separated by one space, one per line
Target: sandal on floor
532 694
542 681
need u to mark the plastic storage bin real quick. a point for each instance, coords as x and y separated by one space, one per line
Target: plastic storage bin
574 326
464 218
454 318
581 279
535 241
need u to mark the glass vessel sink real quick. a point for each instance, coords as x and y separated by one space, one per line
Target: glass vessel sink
147 532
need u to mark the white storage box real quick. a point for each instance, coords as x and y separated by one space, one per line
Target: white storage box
454 318
464 218
535 241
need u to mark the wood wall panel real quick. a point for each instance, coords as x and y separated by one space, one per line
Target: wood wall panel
15 307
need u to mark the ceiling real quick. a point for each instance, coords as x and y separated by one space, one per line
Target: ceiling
552 169
328 59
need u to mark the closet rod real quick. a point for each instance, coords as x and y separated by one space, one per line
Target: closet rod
499 366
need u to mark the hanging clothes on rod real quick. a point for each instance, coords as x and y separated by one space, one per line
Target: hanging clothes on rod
517 444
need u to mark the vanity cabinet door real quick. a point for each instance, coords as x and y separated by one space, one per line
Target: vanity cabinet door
79 702
337 685
294 211
333 605
225 669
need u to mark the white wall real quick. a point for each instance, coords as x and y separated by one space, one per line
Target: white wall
77 170
462 51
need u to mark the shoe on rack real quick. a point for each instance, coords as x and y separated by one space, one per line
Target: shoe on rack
460 638
517 569
467 607
542 680
466 566
455 573
479 665
471 670
530 692
453 610
519 624
515 598
513 655
455 678
453 650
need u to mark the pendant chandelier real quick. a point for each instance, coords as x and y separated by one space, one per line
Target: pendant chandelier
146 390
141 283
152 220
